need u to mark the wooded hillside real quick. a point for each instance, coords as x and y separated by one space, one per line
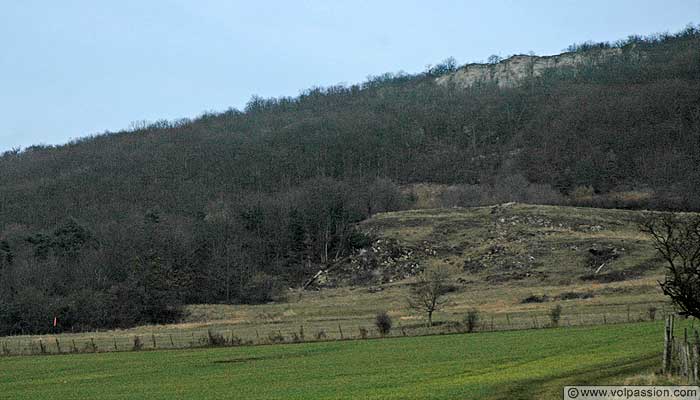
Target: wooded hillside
122 228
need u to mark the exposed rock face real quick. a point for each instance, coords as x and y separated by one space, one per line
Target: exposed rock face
508 72
385 261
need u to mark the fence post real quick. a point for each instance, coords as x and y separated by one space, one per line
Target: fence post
341 332
668 343
628 313
696 360
695 357
684 355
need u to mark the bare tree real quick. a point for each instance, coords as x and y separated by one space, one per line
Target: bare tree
428 293
677 238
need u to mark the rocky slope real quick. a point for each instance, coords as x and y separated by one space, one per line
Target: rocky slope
516 68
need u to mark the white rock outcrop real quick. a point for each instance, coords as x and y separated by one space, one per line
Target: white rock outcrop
508 72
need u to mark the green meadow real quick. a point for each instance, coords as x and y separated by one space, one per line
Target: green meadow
524 364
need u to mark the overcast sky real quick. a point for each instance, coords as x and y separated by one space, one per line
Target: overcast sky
73 68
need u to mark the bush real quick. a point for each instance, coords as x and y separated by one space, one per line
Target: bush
555 315
215 339
383 323
652 313
276 337
262 288
471 321
535 299
138 344
363 333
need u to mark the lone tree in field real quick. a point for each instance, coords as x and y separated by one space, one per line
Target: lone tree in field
427 295
677 238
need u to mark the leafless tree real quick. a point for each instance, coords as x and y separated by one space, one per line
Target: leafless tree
428 293
677 238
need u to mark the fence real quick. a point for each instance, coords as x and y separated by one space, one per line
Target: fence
174 337
681 355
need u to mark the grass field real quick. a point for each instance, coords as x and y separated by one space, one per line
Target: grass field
515 365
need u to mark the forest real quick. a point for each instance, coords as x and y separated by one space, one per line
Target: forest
124 228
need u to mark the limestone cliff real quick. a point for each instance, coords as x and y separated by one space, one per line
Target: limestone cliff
508 72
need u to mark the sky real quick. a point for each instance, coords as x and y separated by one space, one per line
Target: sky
73 68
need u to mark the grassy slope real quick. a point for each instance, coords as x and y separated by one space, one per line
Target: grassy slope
518 364
558 238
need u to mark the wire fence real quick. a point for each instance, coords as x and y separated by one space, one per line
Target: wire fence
309 331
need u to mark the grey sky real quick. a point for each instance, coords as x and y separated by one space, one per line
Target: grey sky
72 68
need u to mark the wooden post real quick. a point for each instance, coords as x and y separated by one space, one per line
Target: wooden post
341 332
683 354
668 344
508 321
153 336
115 344
628 313
58 345
172 343
696 361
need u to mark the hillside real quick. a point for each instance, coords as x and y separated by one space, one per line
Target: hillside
513 263
521 244
126 228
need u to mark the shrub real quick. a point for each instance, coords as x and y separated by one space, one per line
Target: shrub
652 313
383 323
276 337
138 344
363 333
555 315
262 288
215 339
575 295
471 321
535 299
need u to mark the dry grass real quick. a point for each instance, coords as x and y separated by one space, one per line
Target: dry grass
557 238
